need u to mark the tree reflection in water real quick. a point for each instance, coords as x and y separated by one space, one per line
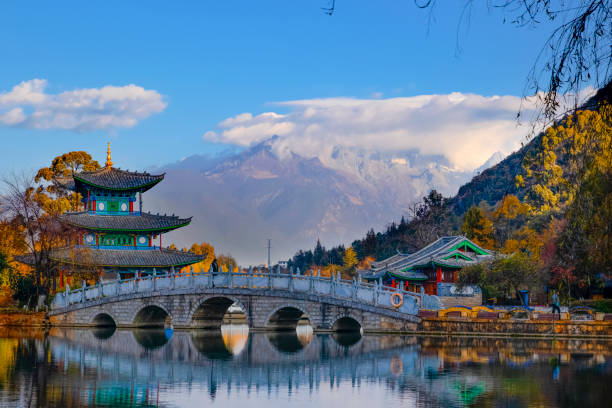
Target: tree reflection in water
87 367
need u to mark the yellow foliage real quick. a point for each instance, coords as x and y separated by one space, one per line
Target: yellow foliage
8 351
203 248
350 258
510 208
584 144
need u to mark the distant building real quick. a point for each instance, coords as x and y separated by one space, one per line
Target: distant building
435 267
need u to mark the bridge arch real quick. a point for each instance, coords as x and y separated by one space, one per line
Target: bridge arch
347 323
104 319
209 312
286 317
152 315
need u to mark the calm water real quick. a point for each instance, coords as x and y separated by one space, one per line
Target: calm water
235 368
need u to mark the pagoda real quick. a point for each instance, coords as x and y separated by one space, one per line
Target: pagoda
116 238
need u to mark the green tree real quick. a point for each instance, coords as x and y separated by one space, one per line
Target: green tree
504 276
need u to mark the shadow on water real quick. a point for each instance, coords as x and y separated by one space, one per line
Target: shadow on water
103 333
291 341
153 338
220 344
347 339
210 344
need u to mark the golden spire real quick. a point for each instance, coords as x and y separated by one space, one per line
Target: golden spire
109 162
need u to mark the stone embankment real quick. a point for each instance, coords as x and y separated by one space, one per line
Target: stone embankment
17 318
459 321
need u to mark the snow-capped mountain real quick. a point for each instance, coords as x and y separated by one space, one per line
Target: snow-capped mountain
241 199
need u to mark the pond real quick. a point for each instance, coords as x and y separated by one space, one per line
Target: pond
235 367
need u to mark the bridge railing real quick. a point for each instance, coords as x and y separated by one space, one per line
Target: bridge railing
355 290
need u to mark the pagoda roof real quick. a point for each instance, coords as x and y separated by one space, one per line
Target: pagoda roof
444 252
111 178
142 222
120 258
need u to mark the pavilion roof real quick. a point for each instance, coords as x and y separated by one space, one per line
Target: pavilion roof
110 178
142 222
120 258
444 252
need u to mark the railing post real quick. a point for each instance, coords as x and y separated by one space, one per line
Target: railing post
172 276
230 276
192 277
154 280
376 292
290 286
67 292
210 277
333 285
311 282
135 284
354 290
269 279
249 278
83 291
101 289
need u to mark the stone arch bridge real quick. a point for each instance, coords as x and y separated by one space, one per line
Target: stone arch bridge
274 301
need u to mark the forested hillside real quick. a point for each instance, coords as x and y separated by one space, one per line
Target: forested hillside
550 202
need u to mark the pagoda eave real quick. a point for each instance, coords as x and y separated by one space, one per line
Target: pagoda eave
137 223
126 258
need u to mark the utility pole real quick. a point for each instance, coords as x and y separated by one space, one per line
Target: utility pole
269 246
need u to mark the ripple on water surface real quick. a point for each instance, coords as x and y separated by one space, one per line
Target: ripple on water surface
233 367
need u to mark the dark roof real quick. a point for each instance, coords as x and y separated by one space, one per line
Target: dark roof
111 179
129 223
122 258
401 265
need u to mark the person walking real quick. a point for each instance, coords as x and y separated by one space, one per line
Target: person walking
555 304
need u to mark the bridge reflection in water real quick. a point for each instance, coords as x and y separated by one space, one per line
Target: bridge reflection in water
135 367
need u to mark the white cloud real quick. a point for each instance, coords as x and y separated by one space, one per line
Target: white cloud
465 128
28 105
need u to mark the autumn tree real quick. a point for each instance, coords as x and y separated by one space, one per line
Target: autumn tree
508 217
63 167
571 152
572 171
34 211
350 259
477 227
203 248
227 262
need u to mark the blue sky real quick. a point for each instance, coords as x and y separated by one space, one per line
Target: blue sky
210 61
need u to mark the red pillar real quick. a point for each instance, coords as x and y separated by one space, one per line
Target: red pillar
61 282
149 240
131 207
439 275
87 200
97 240
94 205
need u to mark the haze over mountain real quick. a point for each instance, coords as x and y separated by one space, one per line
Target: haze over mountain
240 199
